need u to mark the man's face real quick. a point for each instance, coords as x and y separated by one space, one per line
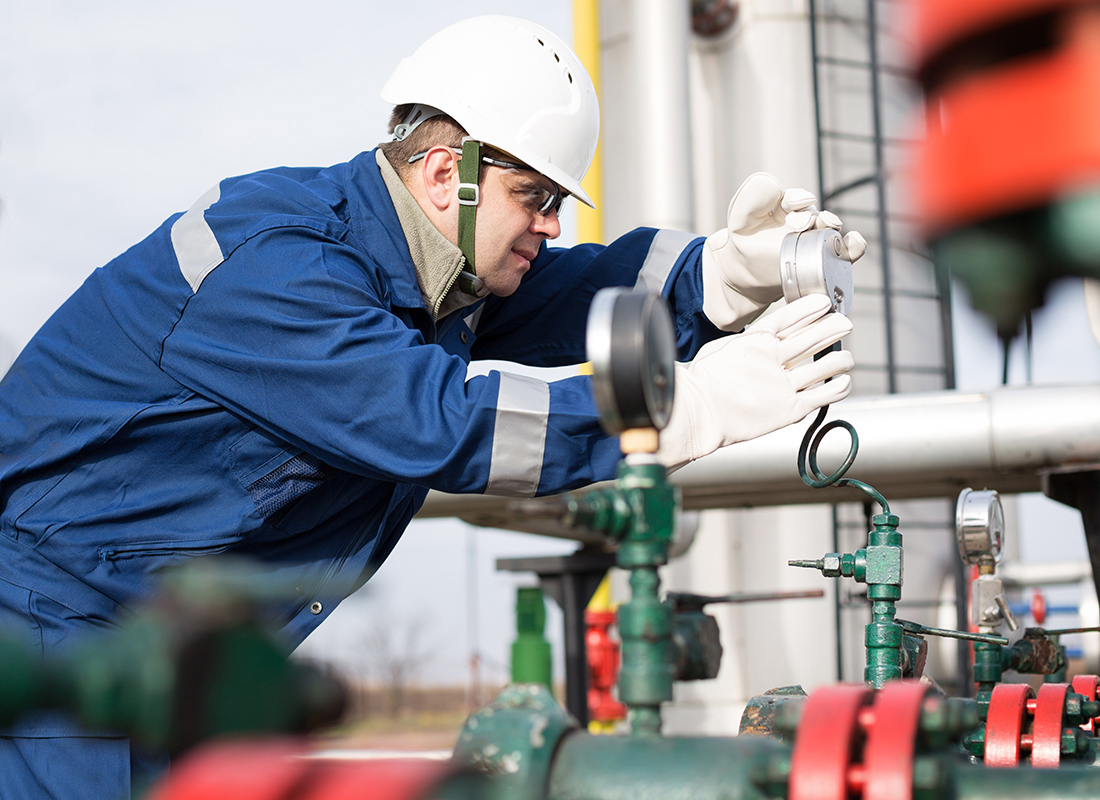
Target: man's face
510 228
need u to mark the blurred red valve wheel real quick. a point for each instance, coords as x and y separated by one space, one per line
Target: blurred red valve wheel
266 771
828 739
1046 737
1005 724
892 741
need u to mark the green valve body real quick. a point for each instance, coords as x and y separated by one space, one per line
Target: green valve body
880 566
883 576
639 511
645 623
530 651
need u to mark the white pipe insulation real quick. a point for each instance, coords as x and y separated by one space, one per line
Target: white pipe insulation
910 446
914 445
660 32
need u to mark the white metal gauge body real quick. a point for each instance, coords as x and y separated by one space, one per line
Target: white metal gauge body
979 527
816 262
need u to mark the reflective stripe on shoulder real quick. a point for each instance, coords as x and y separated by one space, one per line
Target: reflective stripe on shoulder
519 436
197 249
664 251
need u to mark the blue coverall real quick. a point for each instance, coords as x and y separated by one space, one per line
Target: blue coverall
260 376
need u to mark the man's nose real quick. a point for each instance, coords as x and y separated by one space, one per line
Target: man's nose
547 225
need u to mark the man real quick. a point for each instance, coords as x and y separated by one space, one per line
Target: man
280 371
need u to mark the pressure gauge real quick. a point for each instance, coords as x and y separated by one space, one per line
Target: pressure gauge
632 349
979 527
816 262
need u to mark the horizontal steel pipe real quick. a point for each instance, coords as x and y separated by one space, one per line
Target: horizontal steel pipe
910 446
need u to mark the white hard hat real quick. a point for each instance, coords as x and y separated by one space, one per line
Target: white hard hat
513 85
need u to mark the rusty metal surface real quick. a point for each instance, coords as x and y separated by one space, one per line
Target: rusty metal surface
1037 654
764 714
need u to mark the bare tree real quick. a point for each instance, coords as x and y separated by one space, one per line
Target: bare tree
397 651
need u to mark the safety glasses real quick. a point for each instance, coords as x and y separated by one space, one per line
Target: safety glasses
538 198
541 200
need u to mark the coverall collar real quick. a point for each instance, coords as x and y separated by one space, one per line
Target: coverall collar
438 261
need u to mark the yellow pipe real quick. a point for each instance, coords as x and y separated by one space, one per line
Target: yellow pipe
586 43
601 598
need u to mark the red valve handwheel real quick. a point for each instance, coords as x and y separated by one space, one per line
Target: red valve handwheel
826 741
892 740
1087 685
1005 724
1046 742
1039 607
263 771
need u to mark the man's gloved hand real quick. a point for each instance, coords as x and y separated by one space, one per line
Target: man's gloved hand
741 270
743 386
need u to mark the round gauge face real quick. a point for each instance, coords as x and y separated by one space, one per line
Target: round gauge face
979 526
632 349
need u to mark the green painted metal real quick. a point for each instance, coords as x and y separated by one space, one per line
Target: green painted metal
883 576
198 663
1065 783
700 768
513 739
531 661
1035 653
1008 262
773 714
640 512
880 566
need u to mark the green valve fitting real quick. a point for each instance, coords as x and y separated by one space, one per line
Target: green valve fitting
880 567
639 511
530 651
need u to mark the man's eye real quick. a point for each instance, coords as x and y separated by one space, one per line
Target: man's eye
534 198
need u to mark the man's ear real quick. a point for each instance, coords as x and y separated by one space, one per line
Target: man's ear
439 173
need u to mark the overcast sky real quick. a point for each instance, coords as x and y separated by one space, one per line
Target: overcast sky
117 113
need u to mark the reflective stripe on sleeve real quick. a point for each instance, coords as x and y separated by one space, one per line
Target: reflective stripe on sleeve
519 436
197 250
664 251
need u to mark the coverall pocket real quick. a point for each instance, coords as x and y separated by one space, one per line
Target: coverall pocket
282 481
47 754
53 759
203 547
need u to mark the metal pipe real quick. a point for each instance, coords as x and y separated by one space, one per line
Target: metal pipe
880 192
914 446
911 446
660 95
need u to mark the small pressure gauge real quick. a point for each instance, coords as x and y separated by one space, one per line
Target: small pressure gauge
979 527
816 262
632 349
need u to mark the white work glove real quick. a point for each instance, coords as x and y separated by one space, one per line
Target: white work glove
741 264
743 386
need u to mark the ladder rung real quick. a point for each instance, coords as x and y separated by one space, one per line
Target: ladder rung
897 368
844 62
907 293
866 138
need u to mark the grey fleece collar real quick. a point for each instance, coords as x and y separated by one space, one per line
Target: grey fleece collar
437 260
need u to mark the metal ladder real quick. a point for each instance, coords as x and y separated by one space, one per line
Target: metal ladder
865 104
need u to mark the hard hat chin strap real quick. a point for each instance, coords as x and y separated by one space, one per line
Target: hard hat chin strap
469 195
